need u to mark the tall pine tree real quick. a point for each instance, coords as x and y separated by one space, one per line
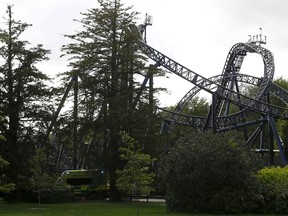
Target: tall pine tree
105 58
23 93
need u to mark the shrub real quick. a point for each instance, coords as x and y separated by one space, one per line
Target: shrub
274 188
55 195
210 173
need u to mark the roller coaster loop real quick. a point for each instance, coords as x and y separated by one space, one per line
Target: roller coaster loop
231 108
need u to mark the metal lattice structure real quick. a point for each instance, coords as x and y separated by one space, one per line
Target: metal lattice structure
225 90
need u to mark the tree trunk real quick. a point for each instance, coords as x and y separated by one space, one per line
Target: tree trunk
113 118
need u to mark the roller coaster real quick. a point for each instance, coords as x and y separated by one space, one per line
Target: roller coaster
231 108
226 94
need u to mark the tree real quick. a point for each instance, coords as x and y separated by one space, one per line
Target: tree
24 98
41 180
104 57
209 173
134 178
197 106
282 124
5 187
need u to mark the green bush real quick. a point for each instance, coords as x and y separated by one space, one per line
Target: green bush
54 195
57 196
274 188
210 173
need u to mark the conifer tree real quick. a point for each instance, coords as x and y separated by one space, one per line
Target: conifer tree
105 58
4 187
23 95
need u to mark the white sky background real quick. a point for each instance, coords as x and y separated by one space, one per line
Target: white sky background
196 33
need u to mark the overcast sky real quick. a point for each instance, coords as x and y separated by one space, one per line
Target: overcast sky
196 33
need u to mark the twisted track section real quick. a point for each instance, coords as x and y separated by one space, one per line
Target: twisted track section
176 116
225 90
256 104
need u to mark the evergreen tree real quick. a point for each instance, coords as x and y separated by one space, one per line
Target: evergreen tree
4 187
23 96
105 58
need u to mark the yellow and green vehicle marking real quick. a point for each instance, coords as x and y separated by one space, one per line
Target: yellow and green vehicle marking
86 182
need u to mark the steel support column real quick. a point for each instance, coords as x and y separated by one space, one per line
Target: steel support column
278 139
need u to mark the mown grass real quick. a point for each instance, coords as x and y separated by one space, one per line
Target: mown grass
88 209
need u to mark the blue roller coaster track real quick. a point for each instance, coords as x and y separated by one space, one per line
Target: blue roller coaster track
225 90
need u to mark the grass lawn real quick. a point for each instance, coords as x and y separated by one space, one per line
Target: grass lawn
85 208
88 209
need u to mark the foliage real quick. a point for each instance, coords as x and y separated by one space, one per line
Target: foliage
210 173
274 182
24 99
4 186
135 178
48 195
7 187
41 180
197 106
282 124
104 56
282 127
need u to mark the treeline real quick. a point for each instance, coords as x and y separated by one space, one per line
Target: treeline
104 90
